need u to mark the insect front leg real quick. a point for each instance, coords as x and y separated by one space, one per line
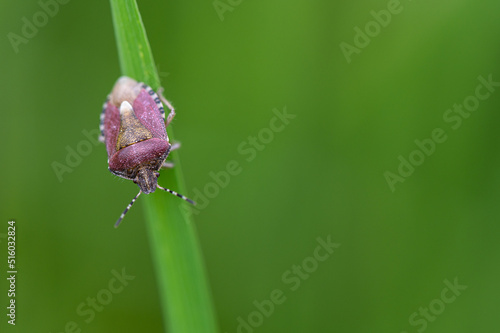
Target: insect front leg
168 165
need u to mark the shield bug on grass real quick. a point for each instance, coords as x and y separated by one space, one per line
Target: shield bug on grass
134 132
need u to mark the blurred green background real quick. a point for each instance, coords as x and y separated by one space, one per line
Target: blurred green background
322 175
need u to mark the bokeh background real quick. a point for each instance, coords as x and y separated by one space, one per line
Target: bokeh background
323 175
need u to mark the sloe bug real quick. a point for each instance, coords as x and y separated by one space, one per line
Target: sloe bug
134 132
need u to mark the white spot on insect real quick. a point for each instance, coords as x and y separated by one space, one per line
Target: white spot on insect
125 107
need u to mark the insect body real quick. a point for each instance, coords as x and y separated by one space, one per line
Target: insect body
133 129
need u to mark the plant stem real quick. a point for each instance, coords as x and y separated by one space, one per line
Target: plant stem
184 291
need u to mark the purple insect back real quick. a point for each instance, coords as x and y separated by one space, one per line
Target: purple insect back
133 129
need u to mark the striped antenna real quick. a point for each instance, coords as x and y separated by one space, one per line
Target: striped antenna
177 194
126 209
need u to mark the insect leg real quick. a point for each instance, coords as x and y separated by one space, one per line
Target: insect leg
171 115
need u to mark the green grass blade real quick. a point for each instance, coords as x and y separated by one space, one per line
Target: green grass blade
184 291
